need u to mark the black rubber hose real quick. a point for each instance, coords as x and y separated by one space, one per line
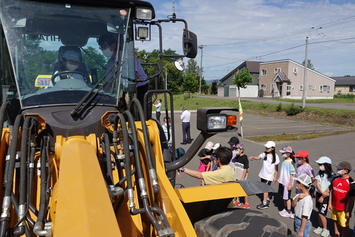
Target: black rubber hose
135 143
107 152
113 118
10 174
128 176
23 155
22 184
151 166
18 231
31 171
42 205
141 182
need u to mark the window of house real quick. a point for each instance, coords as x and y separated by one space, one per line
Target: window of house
301 87
272 88
288 90
277 70
263 72
310 87
263 87
324 88
352 89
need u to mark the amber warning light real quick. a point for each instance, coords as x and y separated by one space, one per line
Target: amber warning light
232 120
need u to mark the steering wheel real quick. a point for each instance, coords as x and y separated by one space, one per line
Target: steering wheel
86 79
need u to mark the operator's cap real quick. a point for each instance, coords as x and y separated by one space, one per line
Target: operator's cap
233 140
324 160
344 165
304 179
183 108
209 145
286 149
302 154
71 55
270 144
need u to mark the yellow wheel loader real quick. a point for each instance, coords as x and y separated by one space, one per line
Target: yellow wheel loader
80 155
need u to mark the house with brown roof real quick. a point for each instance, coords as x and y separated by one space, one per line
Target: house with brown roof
344 85
285 79
253 68
228 89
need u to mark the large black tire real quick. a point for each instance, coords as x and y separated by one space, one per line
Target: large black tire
239 222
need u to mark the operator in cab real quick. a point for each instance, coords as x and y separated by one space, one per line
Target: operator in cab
108 46
67 68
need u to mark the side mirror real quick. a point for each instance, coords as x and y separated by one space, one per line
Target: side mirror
189 44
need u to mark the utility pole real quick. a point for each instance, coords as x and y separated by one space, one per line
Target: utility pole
200 47
166 79
305 76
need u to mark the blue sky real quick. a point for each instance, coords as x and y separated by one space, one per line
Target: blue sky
259 30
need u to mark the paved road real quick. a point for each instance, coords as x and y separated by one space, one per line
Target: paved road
338 148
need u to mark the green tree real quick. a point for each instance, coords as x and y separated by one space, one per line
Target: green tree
241 79
191 83
192 68
175 78
150 62
37 61
310 65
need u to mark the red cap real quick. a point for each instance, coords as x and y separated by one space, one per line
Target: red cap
303 154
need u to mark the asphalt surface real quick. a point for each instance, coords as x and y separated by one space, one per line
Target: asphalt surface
338 148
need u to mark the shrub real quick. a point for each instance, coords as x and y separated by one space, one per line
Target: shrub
279 108
293 110
347 96
263 105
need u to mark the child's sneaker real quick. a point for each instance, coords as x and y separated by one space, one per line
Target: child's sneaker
245 206
263 206
325 233
237 204
283 212
318 231
286 214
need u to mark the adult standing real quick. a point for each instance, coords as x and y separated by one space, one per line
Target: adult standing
185 119
158 109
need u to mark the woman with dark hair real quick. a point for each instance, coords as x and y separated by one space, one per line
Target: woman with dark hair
269 170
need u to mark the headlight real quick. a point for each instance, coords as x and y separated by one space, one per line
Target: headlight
220 122
211 120
143 32
144 14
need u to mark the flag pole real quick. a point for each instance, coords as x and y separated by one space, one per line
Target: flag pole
241 118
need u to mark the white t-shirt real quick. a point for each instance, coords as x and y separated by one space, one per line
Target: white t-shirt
304 207
268 170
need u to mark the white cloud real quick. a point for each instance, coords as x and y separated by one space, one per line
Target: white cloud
234 31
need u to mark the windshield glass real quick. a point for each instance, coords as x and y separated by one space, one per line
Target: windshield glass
56 56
